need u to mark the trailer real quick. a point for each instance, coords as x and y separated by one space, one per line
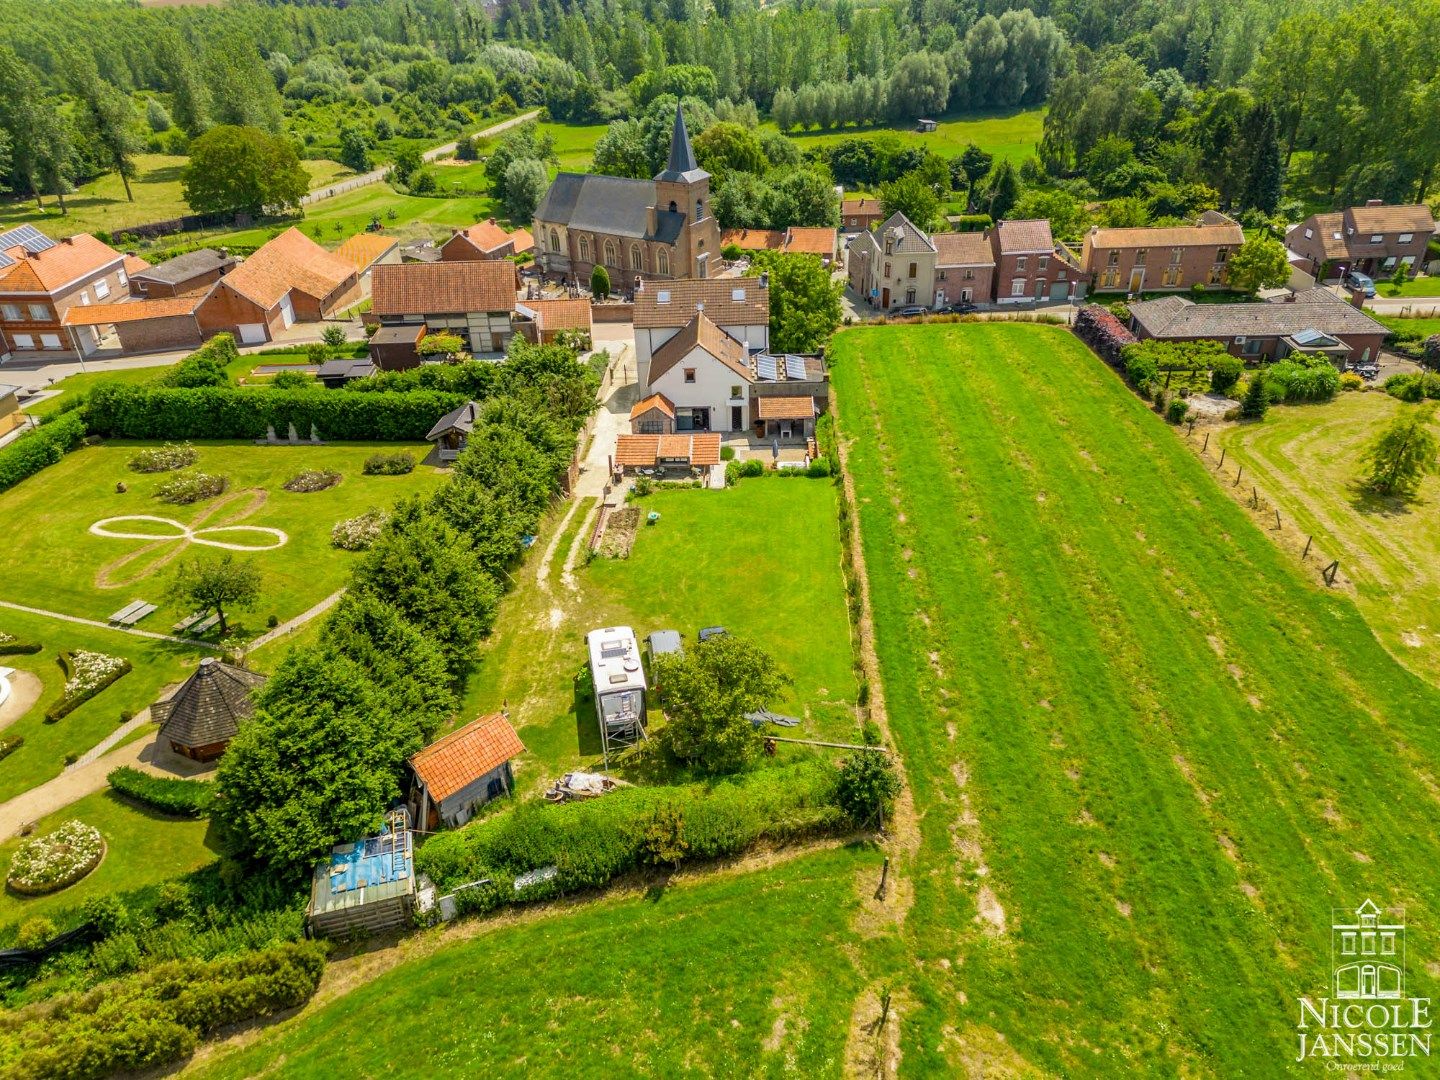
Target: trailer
619 681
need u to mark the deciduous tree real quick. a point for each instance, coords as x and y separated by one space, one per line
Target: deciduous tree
804 301
242 169
224 584
1259 263
706 692
1403 454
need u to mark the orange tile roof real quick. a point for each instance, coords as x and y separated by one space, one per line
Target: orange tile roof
1379 219
289 261
810 240
852 207
135 265
164 307
638 450
524 240
362 249
963 249
561 314
785 408
1025 237
753 239
55 267
486 235
1167 236
466 754
654 401
442 288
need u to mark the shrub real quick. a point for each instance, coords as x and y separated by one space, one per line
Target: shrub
181 798
86 674
1120 309
1256 401
34 932
818 468
973 222
1141 371
1407 387
392 464
727 453
190 488
1351 381
293 380
9 744
10 645
737 470
312 480
867 788
1103 332
165 458
45 864
1225 373
1176 411
44 446
358 533
1303 379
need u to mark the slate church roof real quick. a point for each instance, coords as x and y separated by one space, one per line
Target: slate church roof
209 706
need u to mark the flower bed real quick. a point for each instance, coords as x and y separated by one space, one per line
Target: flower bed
358 533
192 487
86 674
312 480
10 645
57 860
165 458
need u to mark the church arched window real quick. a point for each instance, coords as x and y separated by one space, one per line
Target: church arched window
610 259
662 262
554 240
636 262
584 249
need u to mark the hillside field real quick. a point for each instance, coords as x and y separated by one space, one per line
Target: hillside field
1011 134
1148 753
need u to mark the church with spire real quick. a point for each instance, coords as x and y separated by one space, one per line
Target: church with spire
661 229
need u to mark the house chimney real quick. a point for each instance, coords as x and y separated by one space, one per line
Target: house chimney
1374 202
490 221
224 253
640 285
1094 229
68 240
765 279
1357 299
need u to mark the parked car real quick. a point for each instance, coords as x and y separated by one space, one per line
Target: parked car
1363 282
962 308
909 312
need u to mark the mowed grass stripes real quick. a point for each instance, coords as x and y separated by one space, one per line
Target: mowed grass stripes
1148 754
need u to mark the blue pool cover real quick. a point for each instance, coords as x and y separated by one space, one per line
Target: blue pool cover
375 861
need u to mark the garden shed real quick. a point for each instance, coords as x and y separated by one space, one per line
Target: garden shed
461 772
367 885
200 718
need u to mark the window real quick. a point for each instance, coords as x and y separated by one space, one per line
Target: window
652 427
1110 278
1113 259
1390 263
38 312
1252 347
1176 254
1406 237
662 261
554 240
942 275
663 296
84 297
1377 238
689 374
50 341
1017 287
1222 254
737 295
1140 256
610 259
889 245
913 268
699 209
24 341
734 391
969 275
1043 263
11 312
1217 274
120 276
887 269
102 288
1347 943
584 249
1171 276
1367 943
1309 234
1020 261
143 286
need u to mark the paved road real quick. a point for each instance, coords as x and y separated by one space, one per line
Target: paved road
374 176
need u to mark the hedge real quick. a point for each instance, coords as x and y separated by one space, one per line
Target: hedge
66 705
157 1017
9 744
594 841
19 648
44 446
220 412
169 795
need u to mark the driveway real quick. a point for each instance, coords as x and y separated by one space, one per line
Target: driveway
617 395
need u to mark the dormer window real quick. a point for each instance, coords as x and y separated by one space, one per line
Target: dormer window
1406 237
737 294
1377 238
1309 234
663 296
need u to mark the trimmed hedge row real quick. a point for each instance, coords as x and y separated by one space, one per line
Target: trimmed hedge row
157 1017
169 795
19 648
9 744
65 706
593 842
220 412
44 446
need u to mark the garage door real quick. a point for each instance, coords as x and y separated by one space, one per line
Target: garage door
1059 290
287 310
251 333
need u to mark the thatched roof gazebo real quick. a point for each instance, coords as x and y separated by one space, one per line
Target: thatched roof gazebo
201 717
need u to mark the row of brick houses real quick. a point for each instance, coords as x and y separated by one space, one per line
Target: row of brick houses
1373 239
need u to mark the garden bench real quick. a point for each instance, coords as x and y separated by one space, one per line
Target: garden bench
143 611
124 614
205 625
187 622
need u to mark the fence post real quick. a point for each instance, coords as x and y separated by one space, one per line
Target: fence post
1306 553
1238 474
1330 572
1277 520
1222 457
1207 443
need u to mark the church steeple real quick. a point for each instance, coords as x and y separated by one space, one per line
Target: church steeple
682 167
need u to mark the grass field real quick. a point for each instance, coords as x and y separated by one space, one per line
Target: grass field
1307 460
761 558
142 848
155 665
1424 285
688 980
101 204
53 511
1149 753
1010 135
1425 326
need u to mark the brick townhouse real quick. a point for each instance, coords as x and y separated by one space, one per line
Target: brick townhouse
41 279
1160 259
1029 266
964 268
1373 239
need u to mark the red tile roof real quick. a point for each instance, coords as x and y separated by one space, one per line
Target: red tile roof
362 249
1025 237
524 240
442 288
753 239
963 249
701 332
810 240
551 315
135 265
860 207
641 450
289 261
134 310
654 401
466 754
485 235
785 408
69 260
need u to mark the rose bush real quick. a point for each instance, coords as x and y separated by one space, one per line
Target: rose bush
358 533
191 487
165 458
312 480
56 860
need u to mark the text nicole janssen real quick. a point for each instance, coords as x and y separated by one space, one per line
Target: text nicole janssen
1364 1029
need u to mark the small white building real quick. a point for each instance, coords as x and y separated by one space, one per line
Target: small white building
738 306
893 267
619 681
705 375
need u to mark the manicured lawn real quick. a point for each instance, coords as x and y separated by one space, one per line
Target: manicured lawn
53 511
155 665
1139 736
1307 459
1424 285
1011 134
101 204
142 848
761 558
1425 327
750 974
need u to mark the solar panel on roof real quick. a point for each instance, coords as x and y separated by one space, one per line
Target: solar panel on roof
765 366
26 236
794 367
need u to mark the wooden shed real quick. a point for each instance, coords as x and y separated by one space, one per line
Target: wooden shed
461 772
366 886
200 718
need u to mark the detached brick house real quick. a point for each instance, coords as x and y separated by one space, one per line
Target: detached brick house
894 266
858 215
1153 260
1315 321
1029 266
41 279
1373 239
964 268
473 300
485 241
182 274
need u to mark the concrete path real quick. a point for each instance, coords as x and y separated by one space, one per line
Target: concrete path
105 745
298 621
70 786
25 691
619 391
132 631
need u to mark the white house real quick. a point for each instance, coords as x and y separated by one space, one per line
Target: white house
738 306
705 374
